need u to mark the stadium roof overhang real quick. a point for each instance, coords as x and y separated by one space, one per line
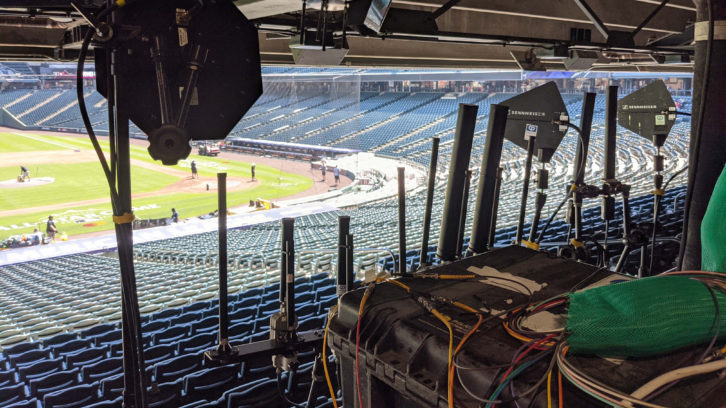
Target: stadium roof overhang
629 35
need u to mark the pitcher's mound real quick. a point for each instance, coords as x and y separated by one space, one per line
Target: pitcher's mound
37 181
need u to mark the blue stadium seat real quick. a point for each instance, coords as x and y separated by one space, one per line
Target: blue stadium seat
306 310
59 339
258 371
7 378
19 348
40 369
209 384
111 387
70 347
312 323
171 335
155 354
263 393
201 404
177 367
167 395
116 403
29 357
73 397
205 325
31 403
61 380
155 326
85 357
102 369
185 318
12 394
241 329
243 314
198 343
98 330
107 338
166 314
197 307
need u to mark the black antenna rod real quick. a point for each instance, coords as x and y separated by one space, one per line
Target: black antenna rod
223 346
490 175
344 282
424 257
401 221
460 156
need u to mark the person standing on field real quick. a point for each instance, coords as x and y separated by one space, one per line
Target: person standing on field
194 170
50 228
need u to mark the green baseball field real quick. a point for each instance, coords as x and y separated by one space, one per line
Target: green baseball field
66 181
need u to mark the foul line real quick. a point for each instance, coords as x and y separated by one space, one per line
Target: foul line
37 139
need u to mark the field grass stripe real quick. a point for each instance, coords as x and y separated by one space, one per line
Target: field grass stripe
39 139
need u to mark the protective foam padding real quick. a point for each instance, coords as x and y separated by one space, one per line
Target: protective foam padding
645 317
713 229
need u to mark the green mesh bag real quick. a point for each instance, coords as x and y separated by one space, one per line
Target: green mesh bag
644 317
713 229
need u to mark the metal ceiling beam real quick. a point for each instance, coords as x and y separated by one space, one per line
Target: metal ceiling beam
650 17
615 14
592 16
446 7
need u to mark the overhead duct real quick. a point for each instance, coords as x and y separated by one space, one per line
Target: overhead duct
580 60
327 51
527 60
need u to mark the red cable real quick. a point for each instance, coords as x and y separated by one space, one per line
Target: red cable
357 366
524 353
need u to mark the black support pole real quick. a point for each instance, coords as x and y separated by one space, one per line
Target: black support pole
610 150
343 279
424 258
707 156
401 221
583 144
490 176
287 269
455 188
525 191
349 262
223 346
132 337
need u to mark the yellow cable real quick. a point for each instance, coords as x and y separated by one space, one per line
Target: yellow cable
126 218
457 276
465 307
531 245
445 320
549 389
524 338
325 359
396 282
459 347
